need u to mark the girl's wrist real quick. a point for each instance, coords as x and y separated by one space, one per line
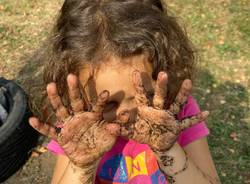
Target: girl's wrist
78 175
173 161
86 174
179 168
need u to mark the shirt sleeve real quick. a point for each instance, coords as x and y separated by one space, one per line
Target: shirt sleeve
196 131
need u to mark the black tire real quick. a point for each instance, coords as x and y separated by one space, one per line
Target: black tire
17 137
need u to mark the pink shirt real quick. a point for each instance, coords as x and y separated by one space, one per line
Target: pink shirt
131 162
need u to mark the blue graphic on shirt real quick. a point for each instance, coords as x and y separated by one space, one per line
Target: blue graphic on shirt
114 169
158 178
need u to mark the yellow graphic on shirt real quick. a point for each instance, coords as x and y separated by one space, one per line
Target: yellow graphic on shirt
136 166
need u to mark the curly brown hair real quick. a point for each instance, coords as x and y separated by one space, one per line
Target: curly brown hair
90 30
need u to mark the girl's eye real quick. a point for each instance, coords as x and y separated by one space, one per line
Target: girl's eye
111 105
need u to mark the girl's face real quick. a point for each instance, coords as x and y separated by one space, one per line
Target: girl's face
115 75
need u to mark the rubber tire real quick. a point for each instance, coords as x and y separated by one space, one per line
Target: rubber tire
17 137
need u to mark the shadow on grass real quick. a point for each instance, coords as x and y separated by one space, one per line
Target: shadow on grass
229 129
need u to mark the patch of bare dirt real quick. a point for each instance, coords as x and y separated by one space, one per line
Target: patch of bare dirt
38 170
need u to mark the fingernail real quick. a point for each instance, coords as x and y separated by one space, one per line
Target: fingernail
162 75
51 87
33 123
104 94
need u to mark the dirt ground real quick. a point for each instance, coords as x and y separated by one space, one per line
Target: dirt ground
38 170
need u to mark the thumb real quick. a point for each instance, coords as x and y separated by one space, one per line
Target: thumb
113 129
43 128
188 122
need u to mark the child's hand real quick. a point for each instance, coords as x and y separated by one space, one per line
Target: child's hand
155 126
85 136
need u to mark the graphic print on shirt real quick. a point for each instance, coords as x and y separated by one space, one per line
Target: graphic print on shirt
114 169
125 169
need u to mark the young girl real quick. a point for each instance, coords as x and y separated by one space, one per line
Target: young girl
119 79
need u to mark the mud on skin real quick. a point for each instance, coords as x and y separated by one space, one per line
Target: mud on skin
155 126
84 136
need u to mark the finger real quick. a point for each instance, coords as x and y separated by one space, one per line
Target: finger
141 132
43 128
74 94
126 127
160 90
101 102
123 117
188 122
127 131
56 102
140 96
181 97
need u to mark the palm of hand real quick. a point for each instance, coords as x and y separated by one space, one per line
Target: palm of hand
155 126
84 136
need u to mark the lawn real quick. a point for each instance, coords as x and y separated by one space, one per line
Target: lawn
220 31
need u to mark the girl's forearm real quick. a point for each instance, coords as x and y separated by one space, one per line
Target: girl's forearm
77 175
179 168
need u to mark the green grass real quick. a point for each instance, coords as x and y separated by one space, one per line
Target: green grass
220 30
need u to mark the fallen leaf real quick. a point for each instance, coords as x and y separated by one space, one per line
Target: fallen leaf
221 42
38 151
234 136
223 174
222 102
231 150
41 149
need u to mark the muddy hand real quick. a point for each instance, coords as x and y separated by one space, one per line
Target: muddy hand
155 126
84 136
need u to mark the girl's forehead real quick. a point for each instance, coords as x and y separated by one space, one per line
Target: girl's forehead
115 74
140 61
114 65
